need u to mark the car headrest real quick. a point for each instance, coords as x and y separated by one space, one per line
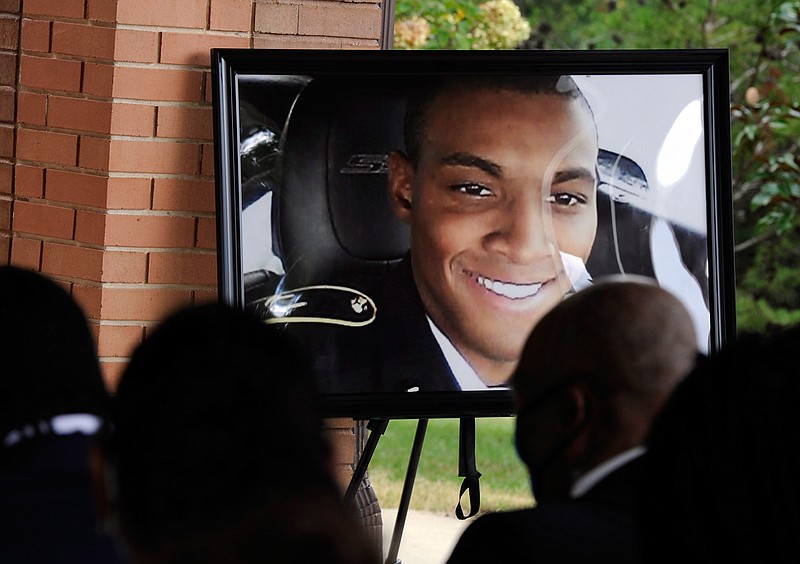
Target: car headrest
332 212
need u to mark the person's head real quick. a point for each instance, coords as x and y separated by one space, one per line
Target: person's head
721 477
50 365
593 375
215 422
499 175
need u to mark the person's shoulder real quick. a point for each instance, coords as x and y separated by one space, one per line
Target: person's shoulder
563 532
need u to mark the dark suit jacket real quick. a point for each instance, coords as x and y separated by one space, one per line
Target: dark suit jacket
598 527
46 504
394 353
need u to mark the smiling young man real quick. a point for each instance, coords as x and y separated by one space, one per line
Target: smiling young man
498 186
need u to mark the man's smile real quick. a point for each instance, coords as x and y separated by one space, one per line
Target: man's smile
509 289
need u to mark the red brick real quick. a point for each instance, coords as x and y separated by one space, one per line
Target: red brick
101 11
136 46
26 253
142 304
6 178
32 108
149 231
47 147
5 248
80 114
182 268
98 79
339 20
136 120
6 105
124 266
117 340
277 18
154 157
35 35
43 219
61 8
128 193
9 32
186 123
72 261
112 371
205 296
206 233
183 195
195 48
50 74
8 69
89 298
10 6
29 181
208 87
83 40
261 41
94 153
231 15
207 160
5 216
76 188
176 13
6 141
342 442
158 84
90 227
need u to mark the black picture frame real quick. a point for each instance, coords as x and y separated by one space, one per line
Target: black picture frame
256 90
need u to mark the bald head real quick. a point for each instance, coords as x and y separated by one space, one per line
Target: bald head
629 334
594 373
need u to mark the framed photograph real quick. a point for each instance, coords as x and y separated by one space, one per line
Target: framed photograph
410 215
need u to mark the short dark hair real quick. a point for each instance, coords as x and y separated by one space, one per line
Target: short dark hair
50 364
423 93
214 417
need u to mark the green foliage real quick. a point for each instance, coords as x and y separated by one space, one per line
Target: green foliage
458 24
504 484
756 315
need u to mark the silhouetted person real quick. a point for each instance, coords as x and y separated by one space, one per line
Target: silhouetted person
218 452
593 374
721 479
52 403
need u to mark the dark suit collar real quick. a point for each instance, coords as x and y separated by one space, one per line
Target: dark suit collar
619 488
411 357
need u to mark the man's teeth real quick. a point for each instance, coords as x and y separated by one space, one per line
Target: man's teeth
508 290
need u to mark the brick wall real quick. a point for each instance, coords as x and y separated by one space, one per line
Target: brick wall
9 45
106 162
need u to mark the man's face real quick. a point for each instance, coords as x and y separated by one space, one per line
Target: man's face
504 181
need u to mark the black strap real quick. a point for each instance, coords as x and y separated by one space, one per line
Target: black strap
467 468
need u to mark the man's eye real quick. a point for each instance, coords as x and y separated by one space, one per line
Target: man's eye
566 199
475 190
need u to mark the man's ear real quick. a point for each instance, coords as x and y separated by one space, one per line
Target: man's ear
401 178
578 398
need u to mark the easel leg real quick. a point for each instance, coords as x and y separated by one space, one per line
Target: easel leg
377 428
408 486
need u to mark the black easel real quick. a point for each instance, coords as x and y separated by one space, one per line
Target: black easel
466 469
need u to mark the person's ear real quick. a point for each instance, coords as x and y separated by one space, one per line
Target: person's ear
577 404
401 179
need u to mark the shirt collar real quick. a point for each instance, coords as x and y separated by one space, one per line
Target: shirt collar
465 375
588 480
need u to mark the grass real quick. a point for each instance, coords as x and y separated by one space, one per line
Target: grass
504 481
